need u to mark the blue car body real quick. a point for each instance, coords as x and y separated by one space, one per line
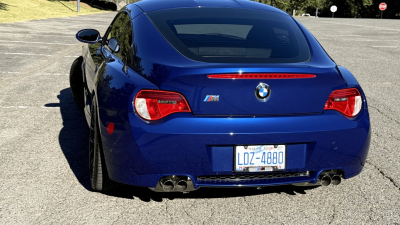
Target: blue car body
200 145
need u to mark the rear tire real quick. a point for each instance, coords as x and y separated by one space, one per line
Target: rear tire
76 82
99 179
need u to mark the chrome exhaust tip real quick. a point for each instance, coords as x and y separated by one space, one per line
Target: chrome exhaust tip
325 180
174 183
168 185
336 179
181 186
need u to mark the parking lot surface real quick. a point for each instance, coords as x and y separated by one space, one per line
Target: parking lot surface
44 175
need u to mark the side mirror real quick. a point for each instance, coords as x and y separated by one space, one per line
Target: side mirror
113 45
89 36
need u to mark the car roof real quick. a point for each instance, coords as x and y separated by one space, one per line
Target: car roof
153 5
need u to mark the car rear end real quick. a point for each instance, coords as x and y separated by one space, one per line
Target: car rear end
242 97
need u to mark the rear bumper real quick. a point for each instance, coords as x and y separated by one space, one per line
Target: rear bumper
140 153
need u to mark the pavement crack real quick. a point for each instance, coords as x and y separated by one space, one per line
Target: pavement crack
384 175
209 219
379 111
119 216
167 211
186 211
333 215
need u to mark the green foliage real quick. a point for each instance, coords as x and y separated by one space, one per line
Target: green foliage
101 4
3 6
346 8
23 10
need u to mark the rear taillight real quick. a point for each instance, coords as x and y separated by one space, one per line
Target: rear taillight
347 101
154 104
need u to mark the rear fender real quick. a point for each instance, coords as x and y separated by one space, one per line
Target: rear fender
352 82
114 93
115 90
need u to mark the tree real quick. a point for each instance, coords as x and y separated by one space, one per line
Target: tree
346 8
296 5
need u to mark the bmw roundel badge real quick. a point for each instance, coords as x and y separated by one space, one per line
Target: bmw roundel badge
263 91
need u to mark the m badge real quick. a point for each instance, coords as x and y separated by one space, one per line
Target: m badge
212 98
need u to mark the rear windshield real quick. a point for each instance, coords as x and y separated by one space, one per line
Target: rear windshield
227 35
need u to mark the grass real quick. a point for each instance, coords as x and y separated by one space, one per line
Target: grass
23 10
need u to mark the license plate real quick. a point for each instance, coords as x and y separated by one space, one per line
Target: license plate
260 158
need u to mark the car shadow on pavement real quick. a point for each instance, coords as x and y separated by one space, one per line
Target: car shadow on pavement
146 195
74 140
73 137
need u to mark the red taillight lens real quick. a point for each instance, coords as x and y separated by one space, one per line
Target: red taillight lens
347 101
154 104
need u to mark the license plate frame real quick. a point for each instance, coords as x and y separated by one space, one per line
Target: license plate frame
258 159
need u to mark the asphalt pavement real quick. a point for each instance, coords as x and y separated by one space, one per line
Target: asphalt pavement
44 175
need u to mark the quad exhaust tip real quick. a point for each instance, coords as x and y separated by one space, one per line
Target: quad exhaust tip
185 184
181 186
336 179
168 185
175 183
327 178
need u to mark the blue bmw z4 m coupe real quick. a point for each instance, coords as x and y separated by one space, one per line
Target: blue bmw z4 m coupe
185 94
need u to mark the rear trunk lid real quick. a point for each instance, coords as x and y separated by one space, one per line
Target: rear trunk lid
238 97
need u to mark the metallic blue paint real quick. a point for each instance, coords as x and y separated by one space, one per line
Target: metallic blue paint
182 144
133 10
201 143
